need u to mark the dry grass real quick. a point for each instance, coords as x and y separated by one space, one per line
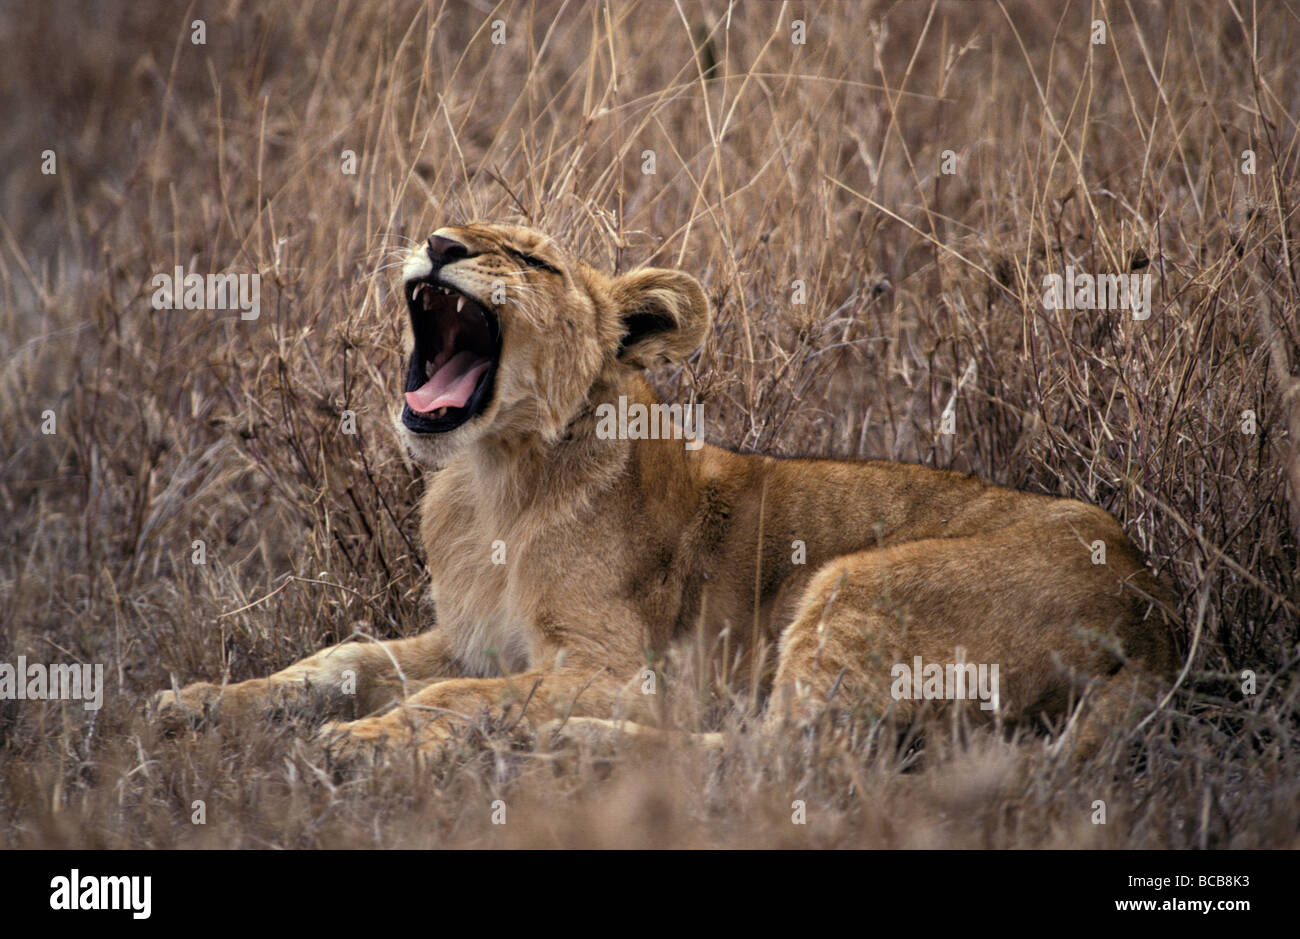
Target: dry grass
775 163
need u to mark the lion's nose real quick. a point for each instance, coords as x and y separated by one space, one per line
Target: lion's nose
445 250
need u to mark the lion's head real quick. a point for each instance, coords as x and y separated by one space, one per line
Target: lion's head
510 335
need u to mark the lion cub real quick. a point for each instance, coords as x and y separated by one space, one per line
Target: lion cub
563 558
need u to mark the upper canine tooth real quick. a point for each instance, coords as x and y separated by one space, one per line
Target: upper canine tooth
460 302
415 294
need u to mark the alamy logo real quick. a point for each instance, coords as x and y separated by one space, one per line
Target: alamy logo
639 421
39 682
1098 292
75 892
955 681
193 291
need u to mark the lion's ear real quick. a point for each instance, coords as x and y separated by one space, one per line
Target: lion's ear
665 316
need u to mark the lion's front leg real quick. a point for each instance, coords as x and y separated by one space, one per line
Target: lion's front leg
429 718
352 678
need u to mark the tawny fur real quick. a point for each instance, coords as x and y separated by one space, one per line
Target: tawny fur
616 549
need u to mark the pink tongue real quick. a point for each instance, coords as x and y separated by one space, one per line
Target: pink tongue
450 385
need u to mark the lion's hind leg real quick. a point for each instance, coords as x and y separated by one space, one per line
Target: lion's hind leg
1019 619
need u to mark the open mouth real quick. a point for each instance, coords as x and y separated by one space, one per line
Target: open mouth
453 367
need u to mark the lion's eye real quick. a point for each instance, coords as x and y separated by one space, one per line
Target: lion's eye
533 261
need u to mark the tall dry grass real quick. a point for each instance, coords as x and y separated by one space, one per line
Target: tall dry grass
775 163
